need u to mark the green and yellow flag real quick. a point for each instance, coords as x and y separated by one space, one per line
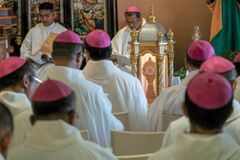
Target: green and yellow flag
225 27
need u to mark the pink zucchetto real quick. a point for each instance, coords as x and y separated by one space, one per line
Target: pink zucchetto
237 58
217 65
132 9
200 50
68 37
10 65
209 91
51 90
98 39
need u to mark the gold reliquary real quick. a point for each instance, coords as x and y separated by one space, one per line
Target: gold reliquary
152 57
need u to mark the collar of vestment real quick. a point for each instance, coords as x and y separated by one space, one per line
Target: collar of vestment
16 102
100 70
52 135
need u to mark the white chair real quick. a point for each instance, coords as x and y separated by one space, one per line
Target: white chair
134 157
85 134
167 119
135 143
123 117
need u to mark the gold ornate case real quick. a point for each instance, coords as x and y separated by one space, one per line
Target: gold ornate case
152 57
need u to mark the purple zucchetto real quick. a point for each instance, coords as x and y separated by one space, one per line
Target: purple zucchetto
51 90
209 91
10 65
98 39
200 50
68 37
132 9
217 65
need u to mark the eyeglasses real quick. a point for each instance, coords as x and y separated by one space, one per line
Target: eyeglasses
36 79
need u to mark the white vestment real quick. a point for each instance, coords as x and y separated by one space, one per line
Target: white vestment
169 101
188 146
20 107
36 37
93 107
41 70
57 140
121 39
231 126
124 91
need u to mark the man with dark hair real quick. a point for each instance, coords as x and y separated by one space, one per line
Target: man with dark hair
124 91
53 137
170 100
6 130
39 39
17 82
208 104
93 107
226 69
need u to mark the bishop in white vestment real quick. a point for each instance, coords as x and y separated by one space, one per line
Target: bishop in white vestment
225 68
207 103
53 137
170 99
124 91
16 84
94 110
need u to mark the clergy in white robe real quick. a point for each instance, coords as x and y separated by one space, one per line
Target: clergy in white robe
124 90
39 39
94 110
16 83
52 137
188 146
123 37
20 107
6 130
170 99
231 127
207 103
225 68
120 40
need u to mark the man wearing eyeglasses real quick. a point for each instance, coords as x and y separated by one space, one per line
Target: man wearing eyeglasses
17 83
